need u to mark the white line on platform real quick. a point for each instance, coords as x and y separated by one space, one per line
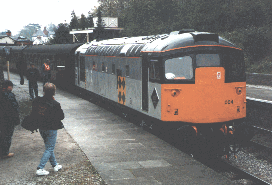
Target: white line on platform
260 100
259 87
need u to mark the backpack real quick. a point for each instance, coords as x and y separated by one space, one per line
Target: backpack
30 123
38 115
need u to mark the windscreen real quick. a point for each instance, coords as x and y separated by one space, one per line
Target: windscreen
179 68
207 60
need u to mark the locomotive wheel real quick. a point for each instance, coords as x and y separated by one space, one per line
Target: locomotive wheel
212 143
187 139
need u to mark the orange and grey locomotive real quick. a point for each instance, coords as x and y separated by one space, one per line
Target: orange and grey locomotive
192 81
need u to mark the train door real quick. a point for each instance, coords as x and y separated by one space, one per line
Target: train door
145 71
81 72
119 74
77 69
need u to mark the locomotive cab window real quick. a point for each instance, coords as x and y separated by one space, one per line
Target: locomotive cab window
207 60
127 70
154 70
179 68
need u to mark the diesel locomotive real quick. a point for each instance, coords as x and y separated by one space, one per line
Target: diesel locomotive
192 82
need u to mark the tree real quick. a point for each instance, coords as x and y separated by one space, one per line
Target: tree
74 21
62 35
52 27
99 30
90 22
29 30
83 23
149 17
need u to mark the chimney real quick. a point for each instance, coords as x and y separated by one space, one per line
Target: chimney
45 31
8 33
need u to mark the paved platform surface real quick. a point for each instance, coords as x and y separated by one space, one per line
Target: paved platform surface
123 153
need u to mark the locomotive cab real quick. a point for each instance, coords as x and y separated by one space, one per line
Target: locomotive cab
197 83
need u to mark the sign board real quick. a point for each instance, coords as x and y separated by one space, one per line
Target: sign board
111 22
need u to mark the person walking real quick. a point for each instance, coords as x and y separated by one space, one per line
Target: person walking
33 75
46 71
47 111
9 118
21 67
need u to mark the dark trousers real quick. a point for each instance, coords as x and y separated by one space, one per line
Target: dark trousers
46 78
22 81
33 86
5 139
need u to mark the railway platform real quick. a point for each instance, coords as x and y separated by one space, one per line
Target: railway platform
259 87
121 152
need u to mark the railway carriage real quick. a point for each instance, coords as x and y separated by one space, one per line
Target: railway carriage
193 81
14 57
62 59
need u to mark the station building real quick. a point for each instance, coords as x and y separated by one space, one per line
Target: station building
7 40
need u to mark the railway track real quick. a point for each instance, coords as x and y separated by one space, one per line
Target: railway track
254 161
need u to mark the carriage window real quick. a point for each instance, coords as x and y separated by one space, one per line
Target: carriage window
179 68
113 69
94 66
127 70
103 67
154 70
207 60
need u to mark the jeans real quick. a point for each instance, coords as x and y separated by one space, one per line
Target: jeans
5 139
33 86
49 138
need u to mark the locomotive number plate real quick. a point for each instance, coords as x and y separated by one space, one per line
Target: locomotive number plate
228 101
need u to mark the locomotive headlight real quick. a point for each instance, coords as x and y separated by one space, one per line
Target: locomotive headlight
175 92
239 90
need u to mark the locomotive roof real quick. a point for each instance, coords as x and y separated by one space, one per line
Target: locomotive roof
133 46
54 49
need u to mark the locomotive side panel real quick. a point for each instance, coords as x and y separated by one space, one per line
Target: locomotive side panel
154 100
133 83
112 80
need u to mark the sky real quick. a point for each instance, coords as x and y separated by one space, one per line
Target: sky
15 14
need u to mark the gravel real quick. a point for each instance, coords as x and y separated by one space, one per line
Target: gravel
253 163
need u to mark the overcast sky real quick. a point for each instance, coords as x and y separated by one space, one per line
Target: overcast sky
15 14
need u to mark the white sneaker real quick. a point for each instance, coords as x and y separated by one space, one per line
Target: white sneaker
57 167
42 172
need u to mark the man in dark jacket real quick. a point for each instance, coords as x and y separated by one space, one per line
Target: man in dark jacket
21 67
47 111
9 118
33 75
